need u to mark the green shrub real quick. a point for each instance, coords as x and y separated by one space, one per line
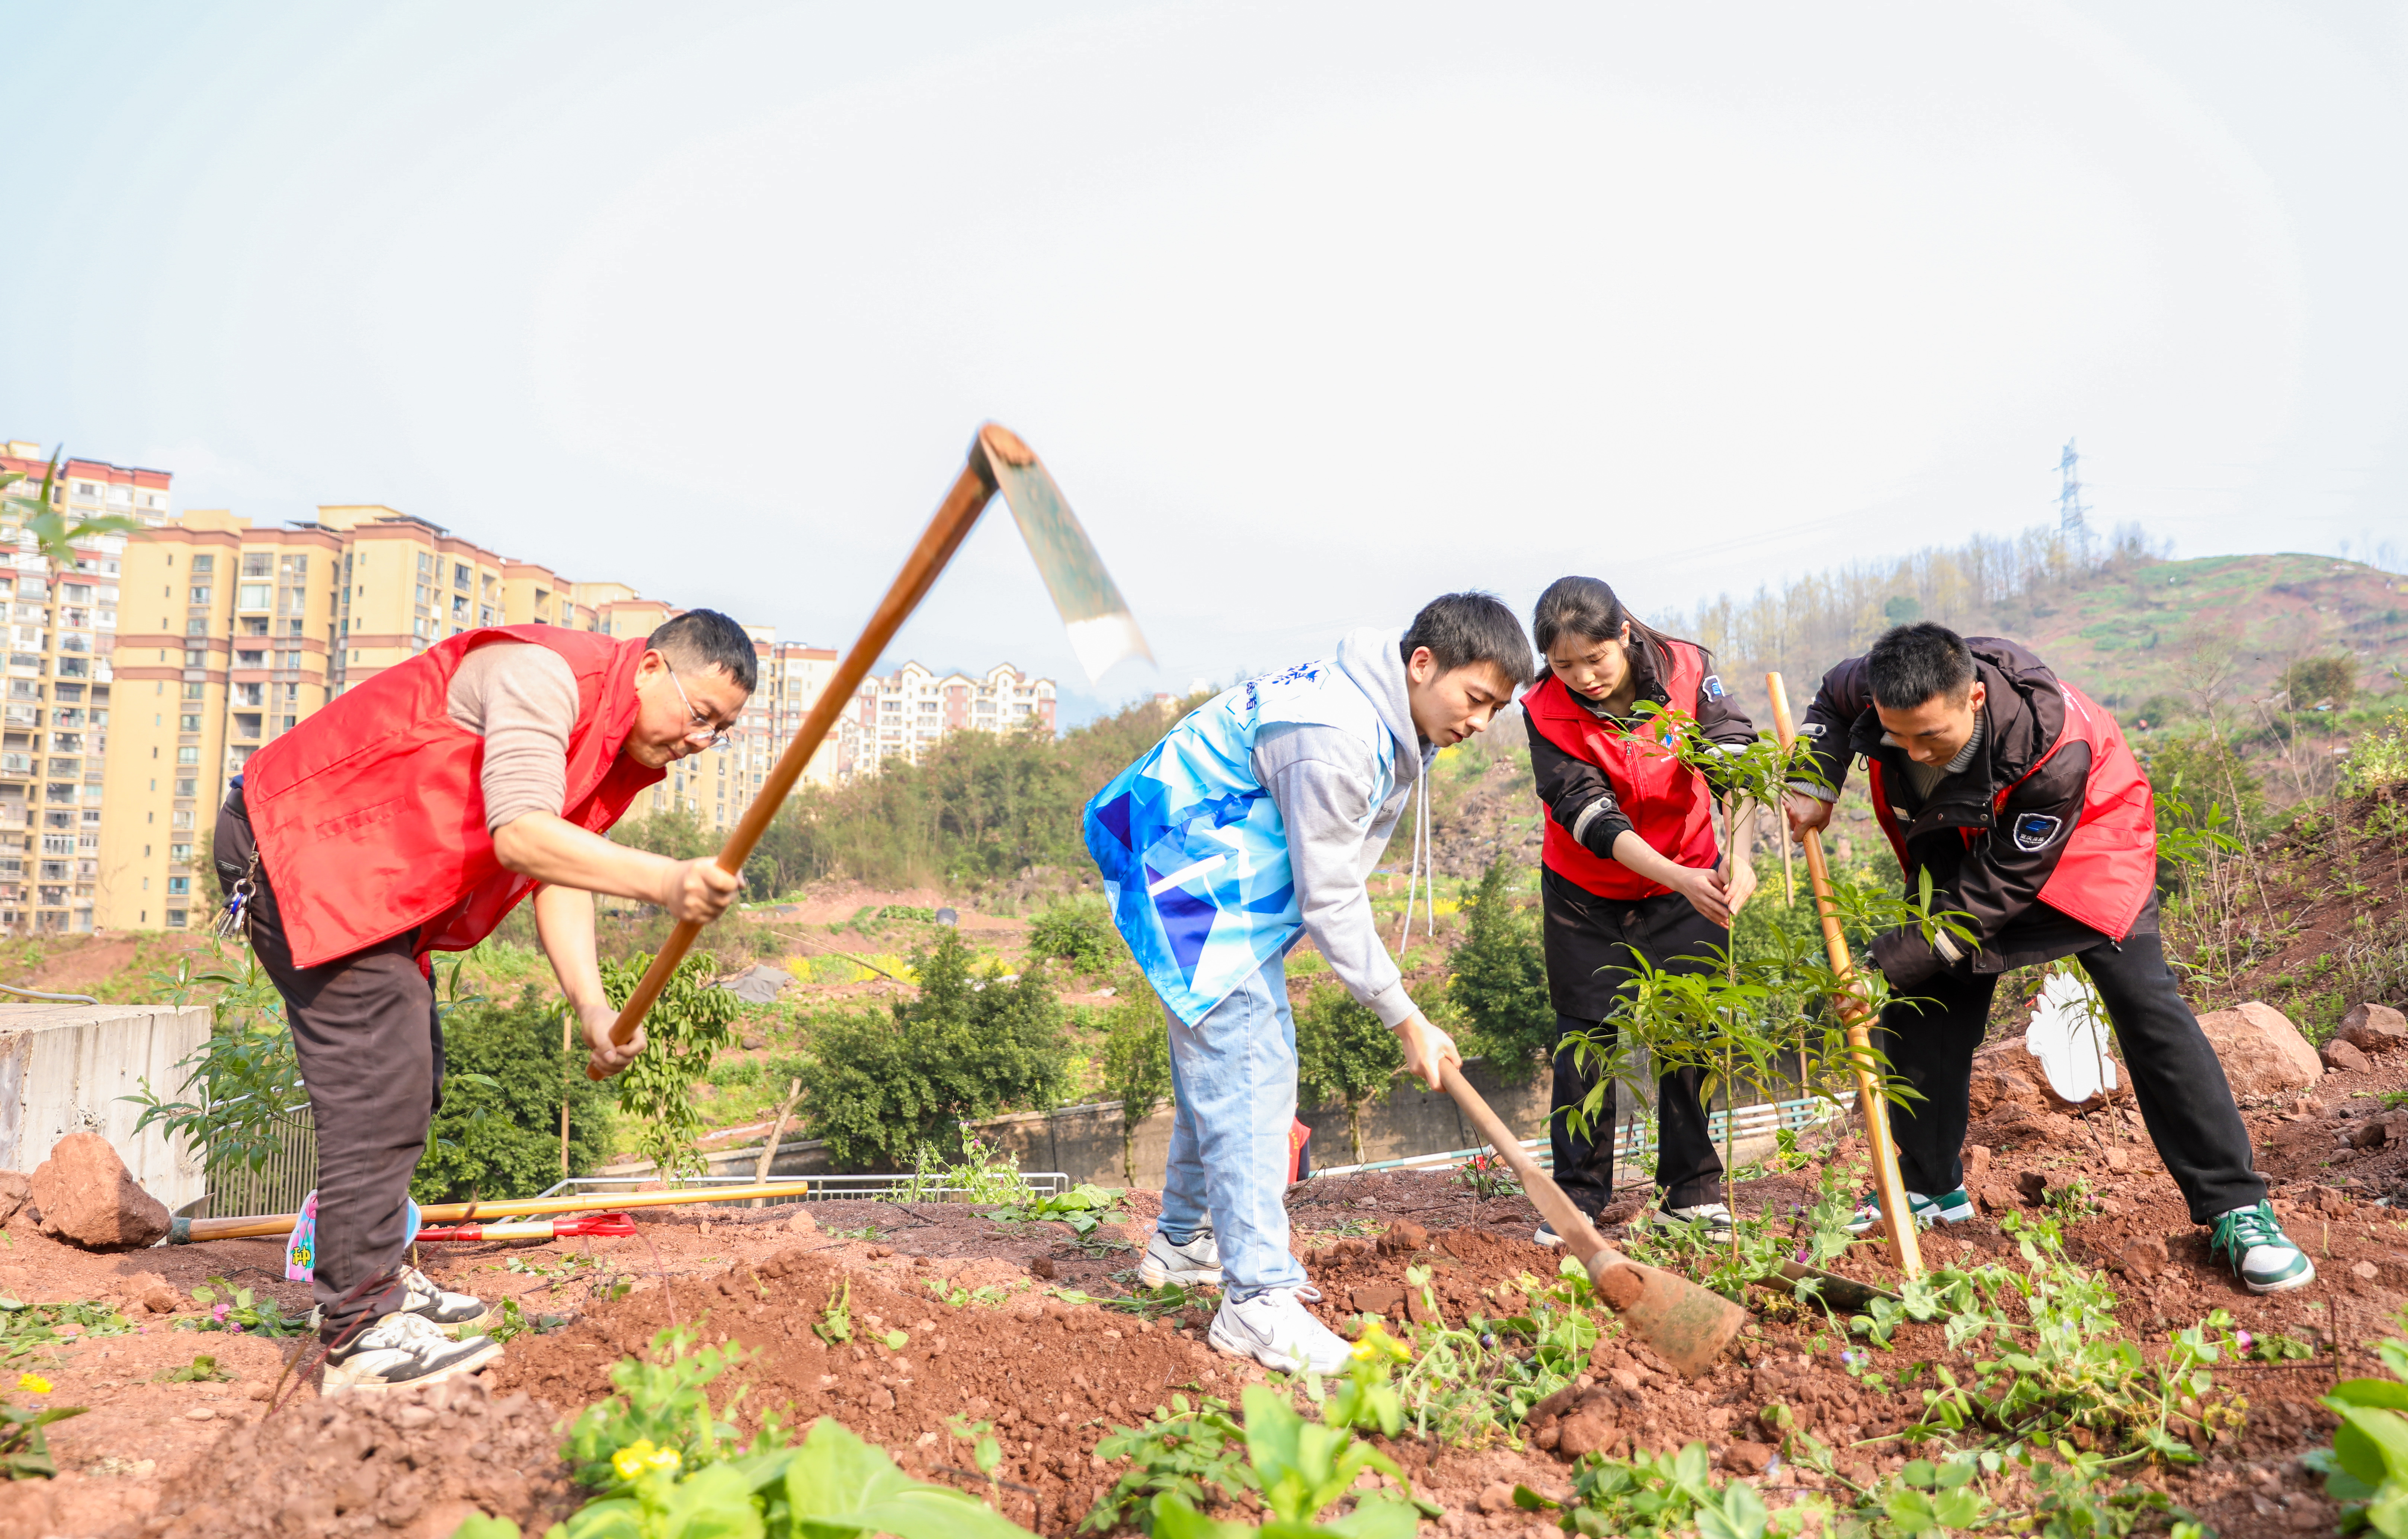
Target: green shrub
2316 679
500 1136
684 1030
887 1082
2380 758
1499 983
1344 1057
1078 932
1136 1064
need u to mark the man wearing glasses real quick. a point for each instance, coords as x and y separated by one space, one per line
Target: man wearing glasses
408 817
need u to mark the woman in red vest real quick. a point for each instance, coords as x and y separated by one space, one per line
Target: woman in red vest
2017 794
1631 865
407 818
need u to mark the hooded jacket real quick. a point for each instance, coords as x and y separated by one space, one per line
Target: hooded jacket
2046 840
1256 821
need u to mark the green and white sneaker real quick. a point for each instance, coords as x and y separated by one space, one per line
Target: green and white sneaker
2261 1254
1948 1208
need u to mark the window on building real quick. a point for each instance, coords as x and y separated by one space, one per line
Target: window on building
205 563
460 576
200 593
425 564
180 852
177 918
178 887
190 753
257 563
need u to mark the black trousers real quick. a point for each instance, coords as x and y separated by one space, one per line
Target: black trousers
1674 937
2177 1080
371 1049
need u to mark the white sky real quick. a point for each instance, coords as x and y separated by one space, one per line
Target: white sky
1314 310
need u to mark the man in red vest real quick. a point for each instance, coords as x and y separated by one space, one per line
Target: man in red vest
2016 793
408 817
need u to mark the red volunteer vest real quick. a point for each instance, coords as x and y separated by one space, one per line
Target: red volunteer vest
371 816
2110 864
1668 803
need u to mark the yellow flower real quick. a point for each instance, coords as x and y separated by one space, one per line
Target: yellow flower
640 1456
32 1384
1376 1343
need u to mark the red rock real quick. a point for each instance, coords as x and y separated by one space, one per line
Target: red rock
1404 1235
1584 1434
2262 1052
1996 1198
1378 1299
1496 1496
2118 1160
150 1292
2033 1185
14 1187
802 1223
2373 1027
1977 1164
2339 1054
2146 1256
1043 1266
1747 1458
2367 1270
86 1195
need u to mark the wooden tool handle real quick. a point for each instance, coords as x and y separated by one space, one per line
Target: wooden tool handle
972 491
1580 1235
1905 1243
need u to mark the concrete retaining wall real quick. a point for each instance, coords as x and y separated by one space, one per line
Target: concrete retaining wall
66 1068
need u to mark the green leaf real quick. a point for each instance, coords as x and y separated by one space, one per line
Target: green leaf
839 1486
1173 1518
2373 1444
1377 1514
477 1525
2387 1393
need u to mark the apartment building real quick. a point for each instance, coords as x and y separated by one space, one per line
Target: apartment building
61 630
906 711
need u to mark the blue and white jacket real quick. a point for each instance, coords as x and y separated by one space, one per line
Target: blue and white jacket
1257 820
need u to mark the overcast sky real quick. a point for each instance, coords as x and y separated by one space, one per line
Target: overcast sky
1314 310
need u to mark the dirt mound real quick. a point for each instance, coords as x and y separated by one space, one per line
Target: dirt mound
1051 1376
409 1461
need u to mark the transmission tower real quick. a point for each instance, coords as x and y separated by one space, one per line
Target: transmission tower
2071 509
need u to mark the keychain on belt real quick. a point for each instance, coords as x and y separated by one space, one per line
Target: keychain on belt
235 920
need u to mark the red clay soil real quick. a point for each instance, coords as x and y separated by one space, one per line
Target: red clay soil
1056 1376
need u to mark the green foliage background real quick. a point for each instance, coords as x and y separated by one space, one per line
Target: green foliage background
687 1025
503 1139
1344 1057
1499 983
965 1048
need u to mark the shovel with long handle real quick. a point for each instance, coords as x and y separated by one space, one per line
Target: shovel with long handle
1101 631
1686 1325
1905 1245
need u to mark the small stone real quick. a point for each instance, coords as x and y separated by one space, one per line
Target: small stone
1496 1496
2373 1027
151 1292
1747 1458
2261 1051
1581 1434
14 1186
1043 1266
1977 1164
89 1196
2343 1056
1996 1198
1378 1299
802 1223
2367 1270
2033 1185
1404 1235
1626 1379
755 1045
2118 1161
201 1413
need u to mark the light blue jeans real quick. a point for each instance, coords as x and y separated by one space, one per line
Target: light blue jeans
1234 1074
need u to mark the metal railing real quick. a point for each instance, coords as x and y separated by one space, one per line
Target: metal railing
1630 1138
817 1188
239 1190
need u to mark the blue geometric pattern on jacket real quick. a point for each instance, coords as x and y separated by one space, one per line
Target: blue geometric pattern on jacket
1193 850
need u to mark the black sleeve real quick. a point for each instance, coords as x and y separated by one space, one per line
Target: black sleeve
1846 695
2002 876
1573 788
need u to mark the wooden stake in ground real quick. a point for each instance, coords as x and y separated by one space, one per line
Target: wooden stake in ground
567 1025
1905 1245
1101 631
777 1127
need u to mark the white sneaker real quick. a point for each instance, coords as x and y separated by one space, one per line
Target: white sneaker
453 1313
1195 1264
405 1349
1275 1329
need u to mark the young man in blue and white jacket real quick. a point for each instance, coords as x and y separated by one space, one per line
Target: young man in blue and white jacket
1256 822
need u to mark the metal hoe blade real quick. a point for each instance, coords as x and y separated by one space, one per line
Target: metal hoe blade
1102 630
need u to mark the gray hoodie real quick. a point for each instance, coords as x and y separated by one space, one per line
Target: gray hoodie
1322 778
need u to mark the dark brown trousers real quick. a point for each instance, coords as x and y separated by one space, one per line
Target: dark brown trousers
370 1043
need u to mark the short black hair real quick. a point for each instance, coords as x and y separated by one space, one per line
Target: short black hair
700 640
1464 628
1910 665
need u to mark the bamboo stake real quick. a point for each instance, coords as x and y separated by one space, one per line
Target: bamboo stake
1905 1244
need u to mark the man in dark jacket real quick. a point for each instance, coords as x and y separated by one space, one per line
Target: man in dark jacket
2016 793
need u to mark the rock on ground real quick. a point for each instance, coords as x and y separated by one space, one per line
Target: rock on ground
2372 1027
2262 1051
86 1195
2342 1055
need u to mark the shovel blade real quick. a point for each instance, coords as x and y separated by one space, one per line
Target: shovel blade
1101 630
1686 1325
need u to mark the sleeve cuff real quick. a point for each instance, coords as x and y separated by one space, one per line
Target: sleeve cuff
1820 793
1392 1004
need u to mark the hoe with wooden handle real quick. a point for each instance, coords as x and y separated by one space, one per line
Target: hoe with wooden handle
1102 632
1905 1245
1686 1325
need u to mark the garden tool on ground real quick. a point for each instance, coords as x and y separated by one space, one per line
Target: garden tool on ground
184 1232
1102 632
612 1226
1905 1245
1686 1325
